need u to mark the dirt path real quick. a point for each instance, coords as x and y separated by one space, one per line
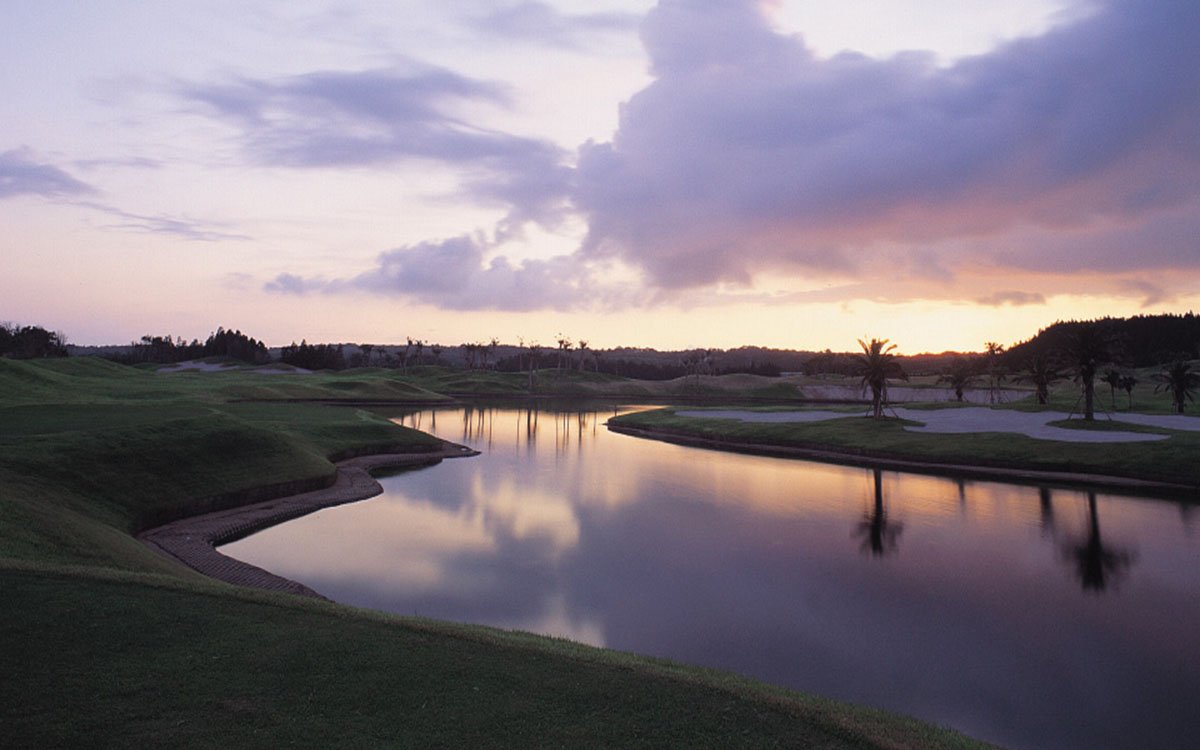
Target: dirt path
193 541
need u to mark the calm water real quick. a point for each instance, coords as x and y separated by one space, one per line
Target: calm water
1026 616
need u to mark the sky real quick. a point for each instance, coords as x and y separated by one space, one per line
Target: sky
672 174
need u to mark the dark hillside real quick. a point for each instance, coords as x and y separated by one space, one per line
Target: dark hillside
1143 340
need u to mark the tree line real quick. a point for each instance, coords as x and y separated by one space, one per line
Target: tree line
30 342
221 343
1088 352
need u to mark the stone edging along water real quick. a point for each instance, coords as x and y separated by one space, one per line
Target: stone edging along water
193 541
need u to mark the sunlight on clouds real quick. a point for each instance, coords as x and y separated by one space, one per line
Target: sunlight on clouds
880 28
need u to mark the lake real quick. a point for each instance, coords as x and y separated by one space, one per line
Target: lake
1031 617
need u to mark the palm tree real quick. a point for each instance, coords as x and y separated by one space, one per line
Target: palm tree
1041 372
1178 378
564 350
995 374
876 365
1087 347
960 376
1127 383
1112 376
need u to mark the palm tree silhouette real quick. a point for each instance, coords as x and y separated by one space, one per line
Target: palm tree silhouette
1087 347
877 365
1042 373
994 372
1127 383
1097 566
1180 380
1112 377
880 535
960 376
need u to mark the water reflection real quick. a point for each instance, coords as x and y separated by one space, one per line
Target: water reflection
1046 503
879 533
772 568
1097 565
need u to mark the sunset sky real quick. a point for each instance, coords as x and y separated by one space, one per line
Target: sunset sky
796 173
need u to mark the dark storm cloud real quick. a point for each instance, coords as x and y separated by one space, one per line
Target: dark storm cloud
22 174
749 154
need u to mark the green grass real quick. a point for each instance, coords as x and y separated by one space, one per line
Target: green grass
139 661
91 380
105 643
1172 460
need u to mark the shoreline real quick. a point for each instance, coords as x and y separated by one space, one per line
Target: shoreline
1075 480
193 540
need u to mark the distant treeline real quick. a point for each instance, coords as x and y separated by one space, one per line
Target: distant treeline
314 356
656 366
1140 341
30 342
222 343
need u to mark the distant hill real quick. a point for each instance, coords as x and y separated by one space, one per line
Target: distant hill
1143 340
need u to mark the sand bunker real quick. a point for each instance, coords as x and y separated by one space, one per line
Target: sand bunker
978 419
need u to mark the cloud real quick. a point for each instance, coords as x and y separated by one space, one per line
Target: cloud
1013 298
542 24
377 118
188 229
20 174
749 156
1151 293
456 274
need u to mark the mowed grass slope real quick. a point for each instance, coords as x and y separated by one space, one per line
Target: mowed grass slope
161 664
104 643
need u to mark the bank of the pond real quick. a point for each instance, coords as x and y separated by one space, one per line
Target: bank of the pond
1162 468
193 540
105 642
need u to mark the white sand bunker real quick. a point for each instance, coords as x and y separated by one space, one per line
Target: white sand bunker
978 419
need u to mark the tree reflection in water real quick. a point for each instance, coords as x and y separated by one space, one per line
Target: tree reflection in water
879 534
1098 566
1046 502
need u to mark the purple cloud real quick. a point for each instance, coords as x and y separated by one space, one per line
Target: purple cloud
20 174
188 229
542 24
381 117
749 155
456 274
1012 297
